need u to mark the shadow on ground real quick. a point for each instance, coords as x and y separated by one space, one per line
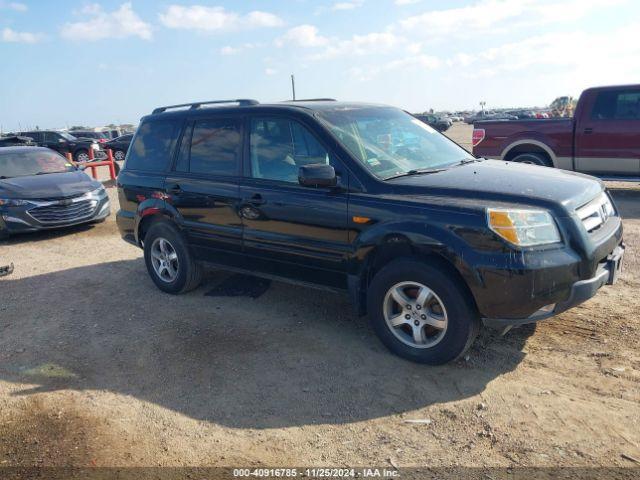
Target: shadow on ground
292 357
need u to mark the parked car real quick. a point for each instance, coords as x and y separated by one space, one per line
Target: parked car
522 114
602 138
366 200
120 146
16 141
439 123
63 143
488 115
99 136
40 189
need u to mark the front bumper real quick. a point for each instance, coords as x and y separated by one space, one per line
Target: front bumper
581 291
51 214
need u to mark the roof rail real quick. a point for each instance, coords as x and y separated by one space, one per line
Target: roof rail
243 102
314 100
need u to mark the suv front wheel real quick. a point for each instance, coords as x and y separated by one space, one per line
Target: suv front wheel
169 261
420 313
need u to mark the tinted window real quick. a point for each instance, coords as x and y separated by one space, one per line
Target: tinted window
279 147
182 164
37 136
617 105
215 147
153 145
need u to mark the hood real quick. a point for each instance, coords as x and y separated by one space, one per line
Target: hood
494 180
53 185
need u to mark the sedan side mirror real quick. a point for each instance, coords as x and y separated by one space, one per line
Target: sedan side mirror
317 175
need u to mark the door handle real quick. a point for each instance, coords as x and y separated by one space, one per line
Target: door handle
588 131
175 190
256 200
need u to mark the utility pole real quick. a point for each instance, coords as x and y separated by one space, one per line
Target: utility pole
293 86
482 104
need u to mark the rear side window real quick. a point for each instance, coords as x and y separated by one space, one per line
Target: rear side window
617 105
153 145
215 147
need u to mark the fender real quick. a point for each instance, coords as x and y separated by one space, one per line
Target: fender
156 206
531 141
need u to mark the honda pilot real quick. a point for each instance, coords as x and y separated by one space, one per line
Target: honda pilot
365 199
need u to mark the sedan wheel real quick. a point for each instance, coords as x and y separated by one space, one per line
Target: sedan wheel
415 314
119 155
164 260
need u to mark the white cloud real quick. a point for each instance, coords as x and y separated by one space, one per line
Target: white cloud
499 16
231 50
422 62
11 36
270 71
15 6
609 57
358 45
347 5
98 24
212 19
406 2
302 36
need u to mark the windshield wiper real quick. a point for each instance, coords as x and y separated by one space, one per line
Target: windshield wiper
419 171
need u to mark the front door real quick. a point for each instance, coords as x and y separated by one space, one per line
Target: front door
203 187
608 136
291 230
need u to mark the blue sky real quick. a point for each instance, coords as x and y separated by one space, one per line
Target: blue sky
73 62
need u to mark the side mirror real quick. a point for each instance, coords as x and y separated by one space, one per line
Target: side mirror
317 175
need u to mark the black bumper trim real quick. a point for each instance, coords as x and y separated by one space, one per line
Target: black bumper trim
581 291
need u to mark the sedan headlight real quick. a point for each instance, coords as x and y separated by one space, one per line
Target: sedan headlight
98 194
12 202
523 228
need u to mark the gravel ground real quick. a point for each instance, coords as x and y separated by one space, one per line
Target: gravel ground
99 368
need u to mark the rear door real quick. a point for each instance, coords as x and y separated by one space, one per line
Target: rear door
290 230
608 133
203 187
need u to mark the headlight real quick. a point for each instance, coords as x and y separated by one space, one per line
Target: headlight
10 202
523 228
98 194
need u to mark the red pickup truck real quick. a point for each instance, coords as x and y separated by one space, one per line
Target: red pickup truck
603 137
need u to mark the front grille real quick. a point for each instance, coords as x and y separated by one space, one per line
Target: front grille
66 212
596 213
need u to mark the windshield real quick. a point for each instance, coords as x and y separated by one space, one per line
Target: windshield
390 142
32 162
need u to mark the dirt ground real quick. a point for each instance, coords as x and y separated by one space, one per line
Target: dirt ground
99 368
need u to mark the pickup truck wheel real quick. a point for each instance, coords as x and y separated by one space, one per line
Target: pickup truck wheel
169 261
420 313
532 159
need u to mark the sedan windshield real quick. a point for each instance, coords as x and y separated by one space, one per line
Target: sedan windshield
31 162
390 142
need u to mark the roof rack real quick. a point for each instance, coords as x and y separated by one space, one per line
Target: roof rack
243 102
314 100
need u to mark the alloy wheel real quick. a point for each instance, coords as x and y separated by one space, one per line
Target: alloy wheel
164 260
415 314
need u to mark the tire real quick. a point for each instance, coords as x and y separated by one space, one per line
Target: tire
532 159
81 156
458 313
188 272
119 155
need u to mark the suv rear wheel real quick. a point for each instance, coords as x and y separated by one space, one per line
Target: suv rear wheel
169 261
420 313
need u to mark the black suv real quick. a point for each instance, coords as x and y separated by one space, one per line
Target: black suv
65 143
368 200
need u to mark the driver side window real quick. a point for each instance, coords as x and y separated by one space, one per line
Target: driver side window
279 147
